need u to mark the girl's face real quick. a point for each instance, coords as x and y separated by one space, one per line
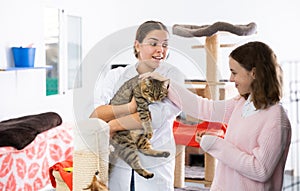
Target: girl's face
241 77
154 48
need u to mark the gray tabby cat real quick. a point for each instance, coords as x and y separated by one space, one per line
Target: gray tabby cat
127 143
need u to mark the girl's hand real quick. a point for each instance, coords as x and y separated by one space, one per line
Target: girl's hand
198 138
153 75
199 135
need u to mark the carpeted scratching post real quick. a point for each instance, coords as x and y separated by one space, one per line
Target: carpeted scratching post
212 46
179 166
91 152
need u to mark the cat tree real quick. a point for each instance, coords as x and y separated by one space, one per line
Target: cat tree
212 47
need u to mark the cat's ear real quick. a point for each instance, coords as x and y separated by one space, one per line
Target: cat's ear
166 83
147 81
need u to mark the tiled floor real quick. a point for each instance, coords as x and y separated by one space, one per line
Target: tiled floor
48 188
290 184
190 186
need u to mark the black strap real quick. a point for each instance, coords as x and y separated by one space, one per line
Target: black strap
132 181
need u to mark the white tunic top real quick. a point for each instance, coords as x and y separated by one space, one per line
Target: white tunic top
163 114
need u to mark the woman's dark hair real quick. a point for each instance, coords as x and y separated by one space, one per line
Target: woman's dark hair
267 85
145 28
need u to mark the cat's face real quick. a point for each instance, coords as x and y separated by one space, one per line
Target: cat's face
153 90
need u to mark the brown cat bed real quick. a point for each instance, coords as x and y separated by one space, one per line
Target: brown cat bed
21 131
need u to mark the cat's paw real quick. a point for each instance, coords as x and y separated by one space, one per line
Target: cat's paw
166 154
149 175
145 173
149 135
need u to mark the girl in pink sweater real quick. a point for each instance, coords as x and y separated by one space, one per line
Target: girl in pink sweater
253 154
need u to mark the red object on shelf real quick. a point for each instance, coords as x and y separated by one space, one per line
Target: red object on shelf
184 134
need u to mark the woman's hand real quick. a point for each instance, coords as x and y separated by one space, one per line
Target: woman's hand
132 105
153 75
127 122
198 138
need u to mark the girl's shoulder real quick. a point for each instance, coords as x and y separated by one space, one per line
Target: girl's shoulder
276 107
279 112
276 112
279 108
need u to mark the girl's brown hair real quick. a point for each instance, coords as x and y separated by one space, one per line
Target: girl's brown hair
145 28
267 85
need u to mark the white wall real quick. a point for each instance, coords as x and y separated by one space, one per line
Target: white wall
22 23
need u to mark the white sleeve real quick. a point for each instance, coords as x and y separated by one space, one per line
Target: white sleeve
104 90
167 110
161 112
176 76
172 73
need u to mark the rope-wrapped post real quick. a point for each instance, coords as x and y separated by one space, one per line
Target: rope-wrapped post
212 46
179 166
91 152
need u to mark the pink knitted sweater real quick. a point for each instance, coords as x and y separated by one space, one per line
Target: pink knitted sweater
253 153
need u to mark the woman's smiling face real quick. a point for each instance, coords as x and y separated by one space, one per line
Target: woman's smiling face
241 77
154 47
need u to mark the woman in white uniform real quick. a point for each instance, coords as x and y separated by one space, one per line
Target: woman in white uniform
151 50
